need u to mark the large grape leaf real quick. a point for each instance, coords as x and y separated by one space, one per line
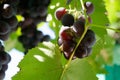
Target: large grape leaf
40 64
44 63
79 70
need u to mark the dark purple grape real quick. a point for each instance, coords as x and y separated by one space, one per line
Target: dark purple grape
89 7
34 12
60 12
27 21
39 35
67 20
79 27
28 32
39 19
66 33
42 11
7 11
4 67
2 75
82 18
46 38
29 29
12 21
4 58
4 37
81 52
24 39
34 43
68 46
89 39
4 28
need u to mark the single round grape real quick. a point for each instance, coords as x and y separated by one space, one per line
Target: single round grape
89 39
89 7
66 33
39 35
4 37
68 46
4 28
12 21
33 12
60 12
28 32
34 43
67 20
82 18
79 27
39 19
2 75
4 67
24 39
46 38
5 58
42 11
7 11
81 52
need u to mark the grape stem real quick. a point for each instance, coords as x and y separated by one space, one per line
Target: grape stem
86 28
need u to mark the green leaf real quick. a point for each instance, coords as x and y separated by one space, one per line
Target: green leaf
44 63
41 64
79 69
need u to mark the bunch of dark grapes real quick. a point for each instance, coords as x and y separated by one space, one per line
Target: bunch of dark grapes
34 12
72 31
8 23
31 37
8 20
4 60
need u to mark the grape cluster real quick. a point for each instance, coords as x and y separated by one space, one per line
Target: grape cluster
8 20
4 60
34 12
8 23
31 37
72 31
